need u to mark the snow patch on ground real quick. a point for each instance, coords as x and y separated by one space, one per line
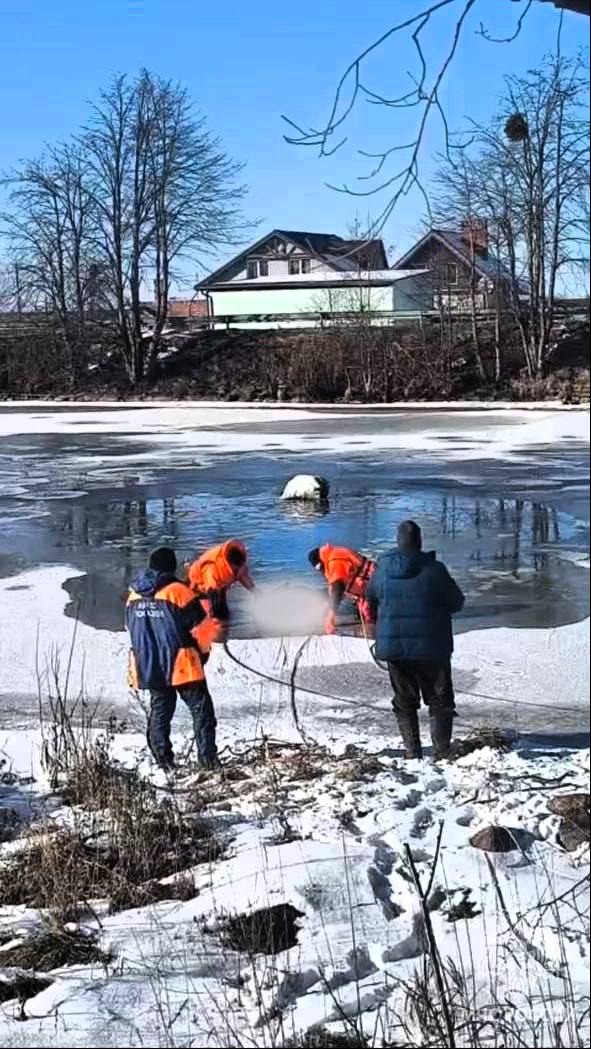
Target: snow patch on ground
175 981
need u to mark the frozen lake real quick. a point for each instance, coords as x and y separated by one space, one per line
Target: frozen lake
97 489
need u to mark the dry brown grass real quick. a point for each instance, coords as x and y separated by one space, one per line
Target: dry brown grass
52 949
322 1039
126 842
62 872
124 839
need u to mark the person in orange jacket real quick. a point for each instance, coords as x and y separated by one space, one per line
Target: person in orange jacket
171 637
212 575
347 574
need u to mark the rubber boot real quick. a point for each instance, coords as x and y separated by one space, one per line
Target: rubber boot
442 721
411 734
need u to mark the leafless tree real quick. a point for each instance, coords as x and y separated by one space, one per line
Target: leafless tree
420 95
351 312
10 298
96 223
48 225
456 203
532 188
163 191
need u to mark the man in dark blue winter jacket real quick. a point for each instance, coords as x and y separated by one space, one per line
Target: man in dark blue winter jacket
413 598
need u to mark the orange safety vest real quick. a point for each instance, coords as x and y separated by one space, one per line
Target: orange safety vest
169 632
213 571
342 565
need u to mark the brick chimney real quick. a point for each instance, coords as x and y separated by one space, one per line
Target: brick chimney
475 234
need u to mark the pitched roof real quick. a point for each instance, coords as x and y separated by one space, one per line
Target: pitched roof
335 279
369 254
338 252
488 266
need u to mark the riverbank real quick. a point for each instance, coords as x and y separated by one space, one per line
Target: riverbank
305 914
282 406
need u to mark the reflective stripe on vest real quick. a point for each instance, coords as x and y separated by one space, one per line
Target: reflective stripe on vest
358 585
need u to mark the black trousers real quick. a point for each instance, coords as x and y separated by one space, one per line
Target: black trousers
416 680
162 708
219 604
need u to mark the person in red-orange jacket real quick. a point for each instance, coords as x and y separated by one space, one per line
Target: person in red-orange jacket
212 575
347 574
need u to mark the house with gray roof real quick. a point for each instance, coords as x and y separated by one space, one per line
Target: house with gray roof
294 279
461 264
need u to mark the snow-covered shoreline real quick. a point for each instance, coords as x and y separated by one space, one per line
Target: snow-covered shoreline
286 406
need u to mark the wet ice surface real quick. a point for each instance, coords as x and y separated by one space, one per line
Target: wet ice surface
510 531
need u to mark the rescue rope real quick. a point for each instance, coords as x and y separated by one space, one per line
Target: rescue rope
459 691
293 694
347 701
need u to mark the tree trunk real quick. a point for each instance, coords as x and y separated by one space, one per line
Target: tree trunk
498 346
474 312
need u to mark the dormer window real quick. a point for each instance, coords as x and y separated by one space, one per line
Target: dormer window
257 268
297 266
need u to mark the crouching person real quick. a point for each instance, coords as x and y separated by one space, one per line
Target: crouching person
218 569
171 637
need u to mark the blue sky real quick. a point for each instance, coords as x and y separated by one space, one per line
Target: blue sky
247 63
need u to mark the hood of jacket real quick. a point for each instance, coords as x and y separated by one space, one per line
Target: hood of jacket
399 565
149 582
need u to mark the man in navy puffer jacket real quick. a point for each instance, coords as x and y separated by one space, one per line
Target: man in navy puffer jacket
413 598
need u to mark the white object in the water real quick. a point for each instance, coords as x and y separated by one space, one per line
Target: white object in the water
305 486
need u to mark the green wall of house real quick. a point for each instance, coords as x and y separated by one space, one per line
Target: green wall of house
300 300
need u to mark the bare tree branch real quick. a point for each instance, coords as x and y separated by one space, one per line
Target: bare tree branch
423 95
507 39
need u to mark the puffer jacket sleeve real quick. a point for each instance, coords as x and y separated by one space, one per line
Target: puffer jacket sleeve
451 593
372 594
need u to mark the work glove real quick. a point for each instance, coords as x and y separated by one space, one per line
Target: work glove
330 627
210 632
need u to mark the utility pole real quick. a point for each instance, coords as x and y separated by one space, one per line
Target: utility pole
18 289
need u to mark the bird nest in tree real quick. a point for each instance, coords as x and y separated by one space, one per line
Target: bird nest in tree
517 128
